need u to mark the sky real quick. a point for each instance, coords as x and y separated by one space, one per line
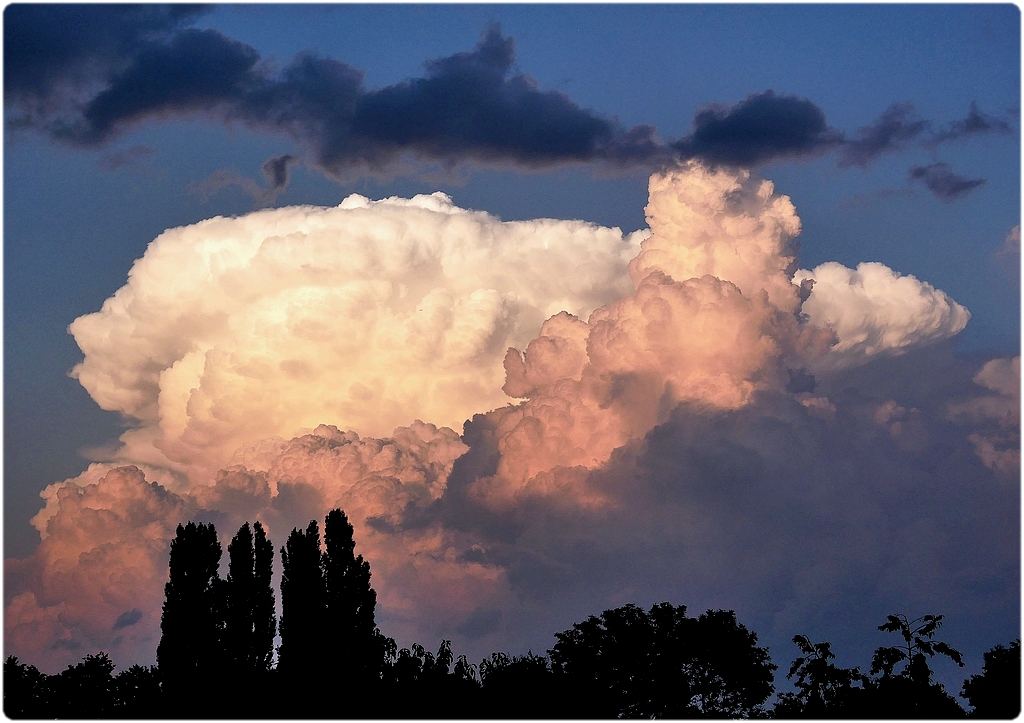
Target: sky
567 307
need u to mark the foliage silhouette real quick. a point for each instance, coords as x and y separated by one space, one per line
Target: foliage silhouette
911 693
137 693
824 690
730 676
420 684
25 690
250 622
995 693
264 616
524 686
303 606
351 633
192 625
630 663
917 635
241 594
85 690
217 638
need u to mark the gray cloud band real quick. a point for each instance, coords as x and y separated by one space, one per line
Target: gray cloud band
469 107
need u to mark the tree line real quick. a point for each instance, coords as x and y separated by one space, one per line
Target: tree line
216 656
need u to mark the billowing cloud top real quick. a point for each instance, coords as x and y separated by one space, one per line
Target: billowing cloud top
366 316
875 310
667 422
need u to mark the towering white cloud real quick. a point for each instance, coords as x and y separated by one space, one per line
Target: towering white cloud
366 316
712 320
279 365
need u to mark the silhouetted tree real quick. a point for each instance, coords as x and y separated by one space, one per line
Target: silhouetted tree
251 623
264 618
917 635
995 693
137 693
303 607
662 664
824 690
420 684
241 597
192 624
909 693
25 690
608 665
351 634
85 690
523 686
730 677
249 617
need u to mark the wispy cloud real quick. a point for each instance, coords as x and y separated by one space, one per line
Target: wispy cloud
940 179
891 131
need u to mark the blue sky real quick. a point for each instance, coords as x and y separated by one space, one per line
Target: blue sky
77 213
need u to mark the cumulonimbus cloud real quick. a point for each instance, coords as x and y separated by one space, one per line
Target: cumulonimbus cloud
650 399
367 316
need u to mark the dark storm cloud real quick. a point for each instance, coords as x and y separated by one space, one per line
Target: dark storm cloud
891 131
897 128
803 520
86 73
132 63
46 46
940 179
196 71
469 106
760 128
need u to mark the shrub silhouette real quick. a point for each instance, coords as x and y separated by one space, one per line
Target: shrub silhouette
995 693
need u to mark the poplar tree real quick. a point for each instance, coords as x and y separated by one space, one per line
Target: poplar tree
303 605
189 651
241 593
352 633
264 617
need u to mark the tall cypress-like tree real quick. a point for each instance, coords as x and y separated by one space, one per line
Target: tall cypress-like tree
241 593
250 623
351 633
189 650
303 606
264 619
240 633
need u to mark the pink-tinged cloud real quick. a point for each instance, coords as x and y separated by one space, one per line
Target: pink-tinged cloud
366 316
995 415
694 424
